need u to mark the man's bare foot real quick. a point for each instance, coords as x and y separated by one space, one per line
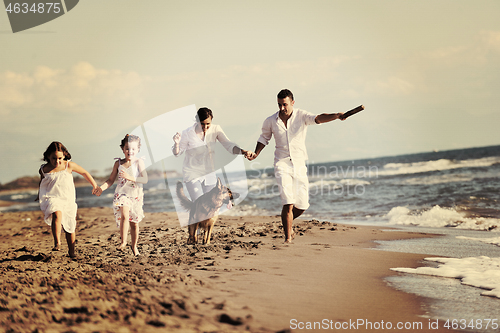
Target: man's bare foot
135 250
289 240
121 247
71 255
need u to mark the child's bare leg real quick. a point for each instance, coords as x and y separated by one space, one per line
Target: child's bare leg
71 239
134 233
56 227
124 225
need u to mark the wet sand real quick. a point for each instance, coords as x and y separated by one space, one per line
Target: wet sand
6 203
246 280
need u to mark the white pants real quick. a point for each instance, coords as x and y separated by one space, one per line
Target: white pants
293 183
200 186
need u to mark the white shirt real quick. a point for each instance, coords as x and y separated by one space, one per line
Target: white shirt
290 139
199 160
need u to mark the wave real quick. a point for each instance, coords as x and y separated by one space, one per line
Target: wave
265 195
438 217
259 185
354 182
23 195
480 272
490 240
391 169
22 206
323 182
248 210
441 179
161 187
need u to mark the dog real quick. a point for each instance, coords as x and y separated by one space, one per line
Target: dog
203 212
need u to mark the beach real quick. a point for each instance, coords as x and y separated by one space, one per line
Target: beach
247 279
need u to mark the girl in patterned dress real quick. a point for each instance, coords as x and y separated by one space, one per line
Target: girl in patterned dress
57 193
129 197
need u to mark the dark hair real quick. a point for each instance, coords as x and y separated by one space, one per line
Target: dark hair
53 147
131 138
203 113
285 93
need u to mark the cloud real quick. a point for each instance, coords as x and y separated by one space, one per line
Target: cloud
461 77
491 39
482 50
53 102
12 91
81 88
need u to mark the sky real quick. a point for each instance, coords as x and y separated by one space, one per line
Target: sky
427 72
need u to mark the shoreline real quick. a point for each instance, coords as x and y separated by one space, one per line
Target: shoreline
28 189
8 203
245 280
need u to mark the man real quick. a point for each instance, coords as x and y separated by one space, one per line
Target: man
289 127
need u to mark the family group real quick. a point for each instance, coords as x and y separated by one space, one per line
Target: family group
288 125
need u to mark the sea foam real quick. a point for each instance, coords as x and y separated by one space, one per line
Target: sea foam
490 240
438 217
439 179
391 169
481 272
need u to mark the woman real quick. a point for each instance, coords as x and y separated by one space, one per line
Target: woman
198 142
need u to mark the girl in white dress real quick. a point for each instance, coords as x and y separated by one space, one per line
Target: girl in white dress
129 196
57 193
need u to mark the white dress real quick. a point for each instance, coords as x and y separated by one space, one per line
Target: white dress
57 193
129 194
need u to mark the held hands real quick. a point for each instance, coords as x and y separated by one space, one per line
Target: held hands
97 191
250 155
341 116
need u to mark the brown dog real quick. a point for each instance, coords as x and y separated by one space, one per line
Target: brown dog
203 212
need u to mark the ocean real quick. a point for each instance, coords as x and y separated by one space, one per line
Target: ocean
454 193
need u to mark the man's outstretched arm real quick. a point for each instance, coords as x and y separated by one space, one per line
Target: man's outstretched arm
327 117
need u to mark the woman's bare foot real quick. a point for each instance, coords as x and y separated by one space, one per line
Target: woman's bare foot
135 250
56 247
121 247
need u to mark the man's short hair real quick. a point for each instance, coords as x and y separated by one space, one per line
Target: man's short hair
204 113
285 93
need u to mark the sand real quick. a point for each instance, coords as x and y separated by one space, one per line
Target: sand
246 280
